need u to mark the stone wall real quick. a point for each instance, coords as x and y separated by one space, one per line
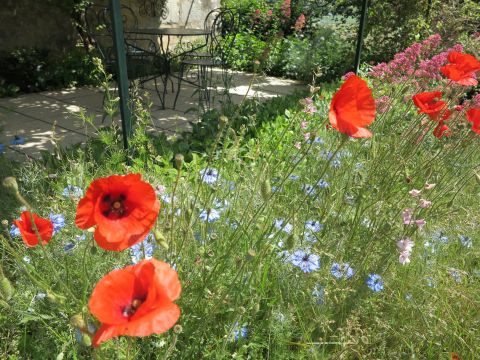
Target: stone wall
34 23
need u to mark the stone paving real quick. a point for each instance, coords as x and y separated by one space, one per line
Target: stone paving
35 120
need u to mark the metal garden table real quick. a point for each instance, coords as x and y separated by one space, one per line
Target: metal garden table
165 44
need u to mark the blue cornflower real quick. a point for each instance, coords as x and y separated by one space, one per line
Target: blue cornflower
69 247
336 164
279 225
72 191
2 149
210 215
314 225
465 241
375 282
294 177
240 332
309 237
58 221
209 175
17 140
309 189
358 166
143 250
342 270
319 294
276 189
14 231
306 262
322 184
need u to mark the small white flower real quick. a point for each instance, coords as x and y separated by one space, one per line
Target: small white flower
404 257
406 244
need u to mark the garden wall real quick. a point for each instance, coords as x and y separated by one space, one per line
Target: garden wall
33 23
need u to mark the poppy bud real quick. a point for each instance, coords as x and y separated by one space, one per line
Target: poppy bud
6 289
179 161
4 222
232 134
266 189
78 322
291 241
93 250
159 237
222 122
10 183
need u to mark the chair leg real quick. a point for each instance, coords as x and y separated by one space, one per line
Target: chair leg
162 98
180 77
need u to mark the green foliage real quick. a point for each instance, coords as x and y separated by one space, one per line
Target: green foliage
30 70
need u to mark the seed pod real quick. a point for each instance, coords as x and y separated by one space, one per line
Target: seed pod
177 329
78 322
222 122
179 161
86 340
159 237
6 289
10 183
266 189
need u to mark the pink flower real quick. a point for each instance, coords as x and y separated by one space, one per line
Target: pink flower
406 244
414 192
298 145
404 257
407 216
303 124
306 136
420 223
382 104
269 12
424 203
300 23
347 75
429 186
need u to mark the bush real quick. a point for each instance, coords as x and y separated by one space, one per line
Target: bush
31 70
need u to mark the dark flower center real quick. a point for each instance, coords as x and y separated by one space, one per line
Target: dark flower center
305 258
131 309
113 207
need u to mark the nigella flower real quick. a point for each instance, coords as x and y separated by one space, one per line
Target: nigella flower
143 250
14 231
309 189
240 332
317 140
306 262
294 177
342 270
72 191
322 184
457 276
319 294
313 225
336 164
430 282
220 205
375 282
465 241
440 237
280 225
58 221
69 247
209 175
210 215
326 155
80 237
17 140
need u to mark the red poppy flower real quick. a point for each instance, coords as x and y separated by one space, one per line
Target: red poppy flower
473 116
29 236
461 68
352 108
429 103
136 301
441 130
124 209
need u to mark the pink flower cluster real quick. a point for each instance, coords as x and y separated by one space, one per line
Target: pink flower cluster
286 9
382 104
300 23
415 61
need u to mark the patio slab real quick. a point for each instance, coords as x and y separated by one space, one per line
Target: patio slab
40 116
